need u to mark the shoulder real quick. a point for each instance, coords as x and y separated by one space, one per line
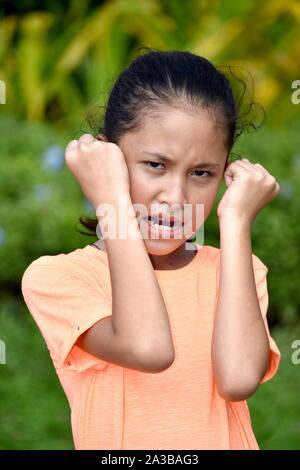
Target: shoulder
78 260
76 268
44 273
47 271
48 262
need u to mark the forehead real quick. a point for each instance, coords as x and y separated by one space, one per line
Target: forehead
173 133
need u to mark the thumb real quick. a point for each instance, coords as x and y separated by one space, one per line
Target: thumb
225 176
229 176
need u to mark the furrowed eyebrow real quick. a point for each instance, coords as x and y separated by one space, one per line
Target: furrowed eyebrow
167 159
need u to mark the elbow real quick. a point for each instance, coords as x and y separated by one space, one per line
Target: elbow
160 366
164 360
155 361
237 393
154 365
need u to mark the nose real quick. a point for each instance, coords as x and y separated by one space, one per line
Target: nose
173 196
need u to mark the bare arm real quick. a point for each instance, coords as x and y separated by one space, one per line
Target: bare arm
102 341
139 315
240 345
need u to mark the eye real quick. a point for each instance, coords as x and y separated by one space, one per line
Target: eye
208 172
156 163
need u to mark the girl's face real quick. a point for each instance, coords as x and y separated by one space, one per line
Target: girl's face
187 140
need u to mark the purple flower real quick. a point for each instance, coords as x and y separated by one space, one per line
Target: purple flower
53 158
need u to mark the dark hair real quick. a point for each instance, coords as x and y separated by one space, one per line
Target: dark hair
174 78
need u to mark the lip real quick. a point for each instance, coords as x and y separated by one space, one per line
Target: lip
161 234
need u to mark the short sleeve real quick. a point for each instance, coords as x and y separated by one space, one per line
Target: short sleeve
64 305
260 274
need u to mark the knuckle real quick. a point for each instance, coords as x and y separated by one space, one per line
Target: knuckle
69 159
71 144
260 176
69 153
83 145
272 180
86 137
97 144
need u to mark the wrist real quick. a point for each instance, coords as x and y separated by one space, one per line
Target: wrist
115 202
234 223
117 218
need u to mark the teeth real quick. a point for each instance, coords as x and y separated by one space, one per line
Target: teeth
164 227
164 223
157 221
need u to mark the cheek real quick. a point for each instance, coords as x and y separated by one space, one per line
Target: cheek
140 191
207 200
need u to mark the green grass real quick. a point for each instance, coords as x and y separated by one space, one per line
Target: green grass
35 412
275 406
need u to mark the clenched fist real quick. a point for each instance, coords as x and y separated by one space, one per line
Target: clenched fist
99 167
250 188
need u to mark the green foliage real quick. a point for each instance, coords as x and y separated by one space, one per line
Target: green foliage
59 60
65 55
36 414
275 407
39 207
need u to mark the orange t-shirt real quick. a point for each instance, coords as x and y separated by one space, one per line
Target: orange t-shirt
113 407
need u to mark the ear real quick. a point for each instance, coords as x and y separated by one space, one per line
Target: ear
101 137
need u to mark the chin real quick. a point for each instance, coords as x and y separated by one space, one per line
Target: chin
163 247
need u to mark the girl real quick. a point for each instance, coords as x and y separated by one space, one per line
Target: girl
157 341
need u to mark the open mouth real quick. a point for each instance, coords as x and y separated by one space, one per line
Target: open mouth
164 223
162 228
